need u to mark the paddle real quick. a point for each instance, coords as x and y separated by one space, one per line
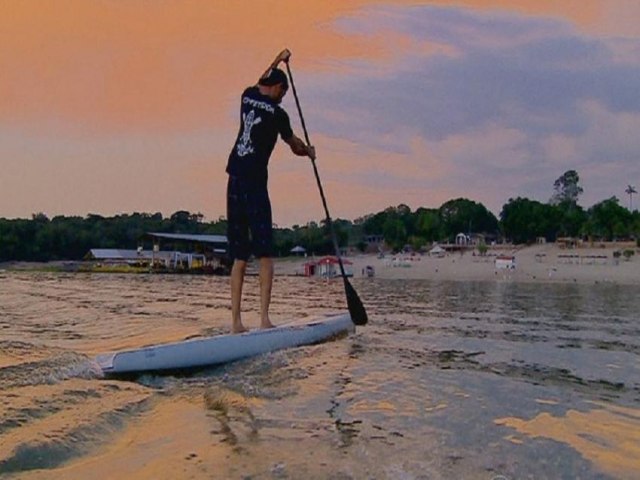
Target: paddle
356 308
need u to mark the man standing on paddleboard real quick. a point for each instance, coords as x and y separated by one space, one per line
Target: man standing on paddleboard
249 229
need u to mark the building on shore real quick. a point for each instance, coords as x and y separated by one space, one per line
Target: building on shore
147 258
170 252
327 267
505 262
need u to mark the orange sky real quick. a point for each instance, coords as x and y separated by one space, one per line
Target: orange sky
149 88
140 64
121 65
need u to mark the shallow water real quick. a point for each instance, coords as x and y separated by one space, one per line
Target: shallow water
449 380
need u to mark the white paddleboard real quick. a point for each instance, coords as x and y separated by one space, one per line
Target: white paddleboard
225 348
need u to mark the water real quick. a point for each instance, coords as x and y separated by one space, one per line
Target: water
479 380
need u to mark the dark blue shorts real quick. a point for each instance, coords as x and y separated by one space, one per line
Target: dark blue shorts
249 222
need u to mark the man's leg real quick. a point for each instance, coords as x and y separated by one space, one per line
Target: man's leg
261 225
237 279
266 282
238 237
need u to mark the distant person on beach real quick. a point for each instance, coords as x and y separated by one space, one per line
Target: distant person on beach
249 229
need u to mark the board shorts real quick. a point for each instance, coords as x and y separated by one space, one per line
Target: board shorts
249 222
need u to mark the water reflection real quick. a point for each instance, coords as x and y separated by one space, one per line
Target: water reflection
608 435
449 380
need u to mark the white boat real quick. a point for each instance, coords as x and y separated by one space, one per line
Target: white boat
225 348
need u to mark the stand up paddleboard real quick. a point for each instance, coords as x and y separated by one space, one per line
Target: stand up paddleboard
225 348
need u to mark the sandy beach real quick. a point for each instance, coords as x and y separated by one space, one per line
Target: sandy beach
538 263
547 263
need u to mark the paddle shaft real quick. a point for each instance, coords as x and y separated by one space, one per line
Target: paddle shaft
334 237
356 308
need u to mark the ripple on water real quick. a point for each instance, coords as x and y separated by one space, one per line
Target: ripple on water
45 424
458 380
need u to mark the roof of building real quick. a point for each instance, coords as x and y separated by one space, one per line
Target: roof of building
122 254
133 255
331 260
190 237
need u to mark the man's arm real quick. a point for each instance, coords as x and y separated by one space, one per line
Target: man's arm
300 148
283 56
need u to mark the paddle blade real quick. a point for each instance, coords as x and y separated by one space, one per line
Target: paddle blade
356 308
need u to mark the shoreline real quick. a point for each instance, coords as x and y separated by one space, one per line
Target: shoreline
538 263
547 263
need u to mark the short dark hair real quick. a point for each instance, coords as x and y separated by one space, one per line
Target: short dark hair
275 77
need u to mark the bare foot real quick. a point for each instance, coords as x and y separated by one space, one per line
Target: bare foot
238 328
266 324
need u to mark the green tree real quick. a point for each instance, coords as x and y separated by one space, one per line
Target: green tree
570 217
466 216
523 220
394 231
416 242
567 188
185 222
428 224
608 220
342 228
395 223
631 191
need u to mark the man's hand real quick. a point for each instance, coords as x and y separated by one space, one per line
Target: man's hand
311 152
300 148
284 56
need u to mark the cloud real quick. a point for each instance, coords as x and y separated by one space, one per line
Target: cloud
506 67
407 103
508 101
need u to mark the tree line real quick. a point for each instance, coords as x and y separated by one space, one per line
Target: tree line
521 220
71 238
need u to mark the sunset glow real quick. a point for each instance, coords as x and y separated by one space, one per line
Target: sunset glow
113 107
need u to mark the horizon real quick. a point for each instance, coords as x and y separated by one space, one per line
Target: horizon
122 107
205 219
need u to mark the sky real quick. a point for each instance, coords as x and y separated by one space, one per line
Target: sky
111 107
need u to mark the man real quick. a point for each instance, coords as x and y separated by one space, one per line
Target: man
248 206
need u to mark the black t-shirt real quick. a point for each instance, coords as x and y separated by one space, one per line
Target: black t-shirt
261 120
